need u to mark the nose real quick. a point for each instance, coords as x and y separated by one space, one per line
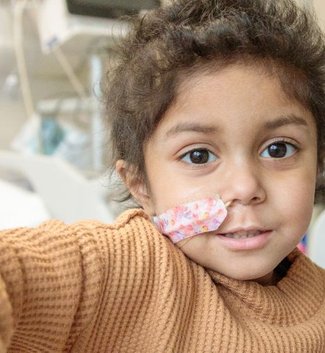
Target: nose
243 184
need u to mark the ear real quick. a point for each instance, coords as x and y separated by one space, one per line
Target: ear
136 186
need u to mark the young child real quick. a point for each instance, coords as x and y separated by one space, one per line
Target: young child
217 110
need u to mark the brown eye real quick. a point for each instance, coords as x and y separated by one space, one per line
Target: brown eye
279 150
199 156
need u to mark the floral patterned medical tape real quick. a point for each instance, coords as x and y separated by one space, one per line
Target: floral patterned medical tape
191 218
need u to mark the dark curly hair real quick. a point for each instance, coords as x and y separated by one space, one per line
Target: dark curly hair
167 44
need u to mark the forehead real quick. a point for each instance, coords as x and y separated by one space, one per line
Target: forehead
230 97
235 82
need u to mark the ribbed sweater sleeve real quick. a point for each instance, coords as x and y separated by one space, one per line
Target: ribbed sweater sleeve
48 275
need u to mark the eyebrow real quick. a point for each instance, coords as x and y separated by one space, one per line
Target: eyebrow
291 119
192 127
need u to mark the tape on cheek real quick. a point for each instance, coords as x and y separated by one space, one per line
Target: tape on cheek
190 219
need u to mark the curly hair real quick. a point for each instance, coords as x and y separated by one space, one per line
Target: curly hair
166 45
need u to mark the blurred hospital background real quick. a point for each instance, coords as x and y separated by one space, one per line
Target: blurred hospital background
53 137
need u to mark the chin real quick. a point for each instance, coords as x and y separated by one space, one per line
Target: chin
260 275
262 279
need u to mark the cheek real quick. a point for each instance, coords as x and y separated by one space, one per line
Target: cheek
169 188
167 195
296 201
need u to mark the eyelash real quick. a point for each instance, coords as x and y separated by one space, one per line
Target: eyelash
188 154
214 157
282 141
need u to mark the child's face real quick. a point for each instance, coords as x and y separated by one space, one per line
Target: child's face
235 133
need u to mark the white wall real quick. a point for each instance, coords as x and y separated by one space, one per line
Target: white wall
319 6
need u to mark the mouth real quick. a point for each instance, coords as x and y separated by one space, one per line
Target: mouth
245 239
242 234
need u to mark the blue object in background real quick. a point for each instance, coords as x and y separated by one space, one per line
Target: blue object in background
52 135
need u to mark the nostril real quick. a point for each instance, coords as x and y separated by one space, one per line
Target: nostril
256 199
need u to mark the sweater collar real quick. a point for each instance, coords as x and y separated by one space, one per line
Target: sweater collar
300 291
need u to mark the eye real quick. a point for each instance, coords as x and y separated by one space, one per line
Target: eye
199 156
279 149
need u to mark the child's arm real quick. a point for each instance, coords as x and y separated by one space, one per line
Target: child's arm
50 282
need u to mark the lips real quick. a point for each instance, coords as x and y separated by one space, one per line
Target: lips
245 239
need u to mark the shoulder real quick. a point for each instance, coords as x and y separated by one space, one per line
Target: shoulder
134 237
130 218
95 246
131 225
131 234
126 225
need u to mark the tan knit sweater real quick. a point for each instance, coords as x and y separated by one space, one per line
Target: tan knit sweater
125 288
